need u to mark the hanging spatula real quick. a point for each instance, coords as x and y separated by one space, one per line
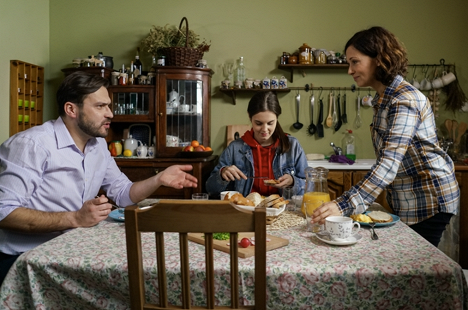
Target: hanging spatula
344 117
338 122
320 120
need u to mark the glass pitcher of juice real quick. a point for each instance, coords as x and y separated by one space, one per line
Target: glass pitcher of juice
316 187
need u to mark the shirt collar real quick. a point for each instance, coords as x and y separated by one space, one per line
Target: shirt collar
64 138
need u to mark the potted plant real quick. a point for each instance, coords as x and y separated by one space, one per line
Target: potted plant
160 39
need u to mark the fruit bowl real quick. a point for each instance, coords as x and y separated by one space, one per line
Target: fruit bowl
196 154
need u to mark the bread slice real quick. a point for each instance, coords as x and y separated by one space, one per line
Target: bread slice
271 182
255 197
380 216
279 203
270 201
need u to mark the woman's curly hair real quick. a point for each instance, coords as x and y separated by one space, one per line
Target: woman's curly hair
382 45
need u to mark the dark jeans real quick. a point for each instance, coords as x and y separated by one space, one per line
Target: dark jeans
6 261
432 228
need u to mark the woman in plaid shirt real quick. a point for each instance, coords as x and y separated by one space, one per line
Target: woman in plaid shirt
418 175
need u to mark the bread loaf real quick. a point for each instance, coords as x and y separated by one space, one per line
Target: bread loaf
380 217
255 197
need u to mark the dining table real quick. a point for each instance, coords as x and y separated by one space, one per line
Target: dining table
86 268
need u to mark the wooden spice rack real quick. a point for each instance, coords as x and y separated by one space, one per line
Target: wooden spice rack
26 95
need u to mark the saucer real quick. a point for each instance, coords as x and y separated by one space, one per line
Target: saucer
325 237
117 216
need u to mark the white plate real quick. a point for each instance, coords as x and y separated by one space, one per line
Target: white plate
269 211
325 237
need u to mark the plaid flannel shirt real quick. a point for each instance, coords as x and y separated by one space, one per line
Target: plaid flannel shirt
418 175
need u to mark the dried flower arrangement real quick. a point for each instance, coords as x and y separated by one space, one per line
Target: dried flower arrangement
170 36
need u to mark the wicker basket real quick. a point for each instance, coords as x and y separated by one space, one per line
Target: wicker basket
182 56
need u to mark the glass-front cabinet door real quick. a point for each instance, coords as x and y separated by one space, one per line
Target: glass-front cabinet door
183 99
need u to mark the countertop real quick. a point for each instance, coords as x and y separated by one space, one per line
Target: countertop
359 164
363 164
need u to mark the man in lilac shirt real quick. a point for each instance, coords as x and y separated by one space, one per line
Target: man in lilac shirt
51 174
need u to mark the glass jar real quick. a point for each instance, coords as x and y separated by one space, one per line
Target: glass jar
116 146
304 54
316 186
161 60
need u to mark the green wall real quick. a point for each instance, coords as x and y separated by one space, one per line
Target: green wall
24 35
260 32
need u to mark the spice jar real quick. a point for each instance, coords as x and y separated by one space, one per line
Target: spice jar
292 59
304 54
123 79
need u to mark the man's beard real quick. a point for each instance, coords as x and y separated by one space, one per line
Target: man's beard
90 128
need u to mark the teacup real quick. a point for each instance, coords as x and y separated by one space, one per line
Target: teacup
415 83
426 84
225 84
448 78
184 108
367 100
341 228
437 83
249 83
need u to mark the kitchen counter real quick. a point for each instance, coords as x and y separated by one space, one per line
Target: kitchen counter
359 164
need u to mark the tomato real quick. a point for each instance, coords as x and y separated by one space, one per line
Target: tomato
245 242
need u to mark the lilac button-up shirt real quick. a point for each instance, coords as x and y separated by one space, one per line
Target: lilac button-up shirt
42 169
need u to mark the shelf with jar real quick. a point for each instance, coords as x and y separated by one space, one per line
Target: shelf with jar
302 67
232 92
26 95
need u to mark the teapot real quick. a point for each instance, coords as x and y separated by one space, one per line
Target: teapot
174 99
131 144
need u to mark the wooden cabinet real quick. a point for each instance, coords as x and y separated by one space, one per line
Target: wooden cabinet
140 169
26 95
182 108
154 106
339 181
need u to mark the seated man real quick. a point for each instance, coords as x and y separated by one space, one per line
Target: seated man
50 174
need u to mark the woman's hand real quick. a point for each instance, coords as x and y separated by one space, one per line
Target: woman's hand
232 173
326 210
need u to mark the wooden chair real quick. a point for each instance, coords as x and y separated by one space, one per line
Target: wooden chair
184 216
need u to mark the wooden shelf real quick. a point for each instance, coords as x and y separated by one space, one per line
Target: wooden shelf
26 95
303 67
232 92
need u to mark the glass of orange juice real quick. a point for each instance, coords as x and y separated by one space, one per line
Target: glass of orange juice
314 196
310 207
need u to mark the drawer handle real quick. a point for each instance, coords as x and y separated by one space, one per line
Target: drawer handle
156 171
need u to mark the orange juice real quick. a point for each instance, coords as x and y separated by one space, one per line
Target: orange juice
314 196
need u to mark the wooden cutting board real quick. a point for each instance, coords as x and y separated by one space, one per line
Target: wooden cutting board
222 245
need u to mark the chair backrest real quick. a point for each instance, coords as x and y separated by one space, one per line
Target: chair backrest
183 217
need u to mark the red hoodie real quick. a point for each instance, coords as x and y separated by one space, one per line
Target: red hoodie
263 163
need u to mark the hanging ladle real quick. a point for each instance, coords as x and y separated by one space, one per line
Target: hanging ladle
312 128
297 125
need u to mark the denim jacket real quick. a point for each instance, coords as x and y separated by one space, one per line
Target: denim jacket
238 153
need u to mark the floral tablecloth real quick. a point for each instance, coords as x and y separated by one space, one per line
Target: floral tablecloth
87 269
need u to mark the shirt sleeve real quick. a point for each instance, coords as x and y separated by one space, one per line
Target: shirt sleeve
392 131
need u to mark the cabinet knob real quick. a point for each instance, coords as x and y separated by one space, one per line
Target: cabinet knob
156 171
160 114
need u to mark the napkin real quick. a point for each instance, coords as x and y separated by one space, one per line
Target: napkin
340 159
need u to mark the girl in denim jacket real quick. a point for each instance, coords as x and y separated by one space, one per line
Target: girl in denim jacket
264 151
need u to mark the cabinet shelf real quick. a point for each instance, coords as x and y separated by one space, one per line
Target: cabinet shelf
232 92
25 99
292 67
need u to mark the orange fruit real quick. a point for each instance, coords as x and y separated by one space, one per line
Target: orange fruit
195 143
207 149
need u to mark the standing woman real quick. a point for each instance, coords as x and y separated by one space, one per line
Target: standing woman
263 151
418 175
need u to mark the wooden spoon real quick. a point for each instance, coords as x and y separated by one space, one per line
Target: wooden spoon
462 127
454 130
448 125
329 120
